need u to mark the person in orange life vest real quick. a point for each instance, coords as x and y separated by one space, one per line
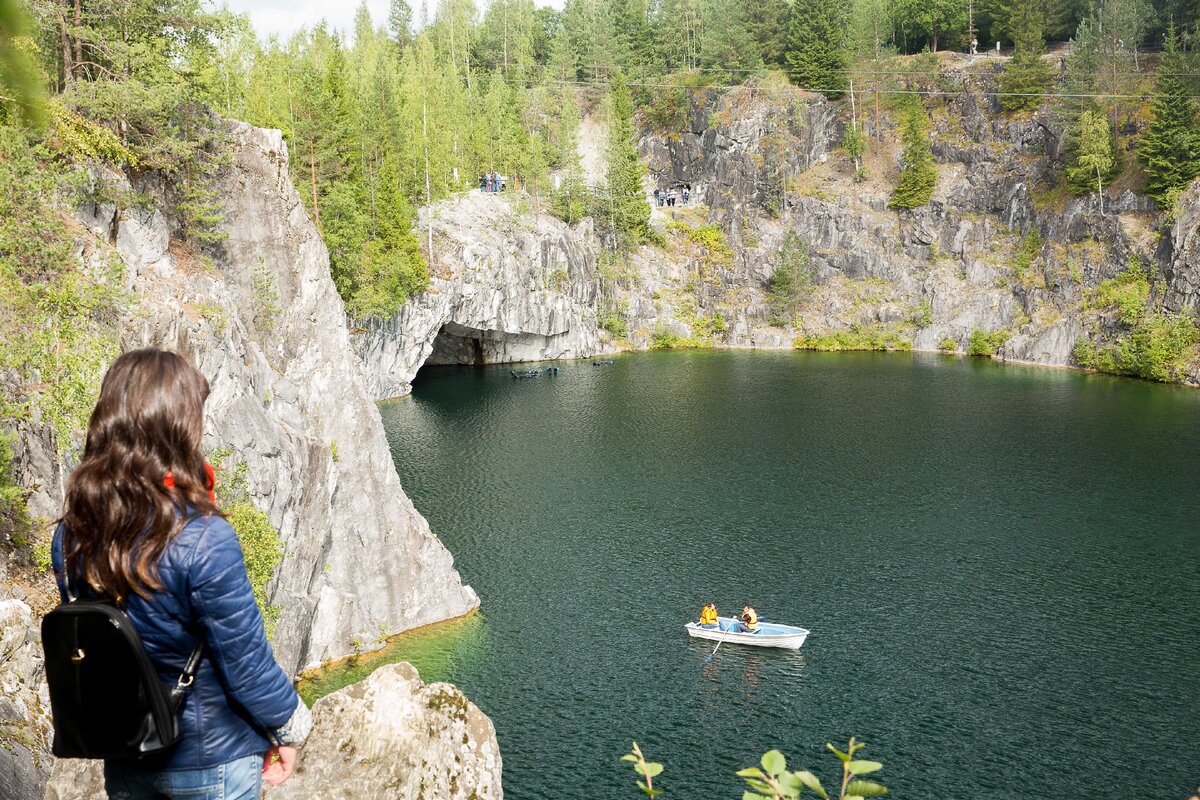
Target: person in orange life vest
749 621
708 615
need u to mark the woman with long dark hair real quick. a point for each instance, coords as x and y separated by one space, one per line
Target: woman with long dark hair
140 526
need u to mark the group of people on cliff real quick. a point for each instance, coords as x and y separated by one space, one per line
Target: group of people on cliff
746 623
491 182
668 197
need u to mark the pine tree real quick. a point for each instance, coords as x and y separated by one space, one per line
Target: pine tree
919 175
791 281
570 201
679 34
1170 149
627 212
632 36
400 23
816 54
1027 75
766 22
1095 156
734 49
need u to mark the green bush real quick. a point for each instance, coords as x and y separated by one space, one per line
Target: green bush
1149 342
948 345
614 323
712 239
858 337
15 525
923 316
59 328
1157 347
1127 293
983 343
1031 245
262 546
663 338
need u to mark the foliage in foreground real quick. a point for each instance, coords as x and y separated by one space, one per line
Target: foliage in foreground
772 780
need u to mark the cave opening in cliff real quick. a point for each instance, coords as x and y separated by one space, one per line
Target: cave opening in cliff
454 346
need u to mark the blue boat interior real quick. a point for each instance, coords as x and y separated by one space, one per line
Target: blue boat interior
764 628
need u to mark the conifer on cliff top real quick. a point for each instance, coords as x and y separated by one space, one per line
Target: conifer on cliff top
816 51
1170 150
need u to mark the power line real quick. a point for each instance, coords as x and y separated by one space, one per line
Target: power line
789 72
869 87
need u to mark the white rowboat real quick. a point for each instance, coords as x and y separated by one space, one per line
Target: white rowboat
768 634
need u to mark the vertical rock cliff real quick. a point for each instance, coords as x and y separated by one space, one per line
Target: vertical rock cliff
507 285
259 315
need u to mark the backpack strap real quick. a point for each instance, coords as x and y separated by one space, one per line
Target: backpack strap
180 689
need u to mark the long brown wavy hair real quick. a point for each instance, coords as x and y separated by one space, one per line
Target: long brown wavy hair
119 515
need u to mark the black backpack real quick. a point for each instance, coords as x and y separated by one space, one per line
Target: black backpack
105 695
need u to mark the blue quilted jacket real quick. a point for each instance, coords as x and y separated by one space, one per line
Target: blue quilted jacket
240 692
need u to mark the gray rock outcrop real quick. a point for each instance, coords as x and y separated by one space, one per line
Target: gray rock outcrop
24 705
998 247
390 737
260 317
1183 274
505 287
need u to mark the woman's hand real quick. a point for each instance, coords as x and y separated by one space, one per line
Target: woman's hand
278 763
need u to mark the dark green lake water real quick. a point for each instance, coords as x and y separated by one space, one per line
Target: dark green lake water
1000 567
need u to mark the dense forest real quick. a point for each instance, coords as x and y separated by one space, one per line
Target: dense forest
400 112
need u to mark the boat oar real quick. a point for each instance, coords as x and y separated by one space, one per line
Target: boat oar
719 643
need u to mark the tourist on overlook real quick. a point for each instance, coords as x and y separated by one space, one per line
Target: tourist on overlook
687 191
140 526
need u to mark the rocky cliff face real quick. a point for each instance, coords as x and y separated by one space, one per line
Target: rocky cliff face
24 705
1183 274
765 162
261 318
506 286
390 737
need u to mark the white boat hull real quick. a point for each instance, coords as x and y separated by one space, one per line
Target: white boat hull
768 634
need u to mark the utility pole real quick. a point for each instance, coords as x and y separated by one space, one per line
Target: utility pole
970 21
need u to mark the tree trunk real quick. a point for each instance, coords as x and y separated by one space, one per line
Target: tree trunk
78 40
854 121
68 64
1100 190
428 193
312 173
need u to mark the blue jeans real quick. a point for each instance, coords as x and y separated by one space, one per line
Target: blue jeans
235 780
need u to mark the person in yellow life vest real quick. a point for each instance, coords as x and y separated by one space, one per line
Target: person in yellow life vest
708 615
749 620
